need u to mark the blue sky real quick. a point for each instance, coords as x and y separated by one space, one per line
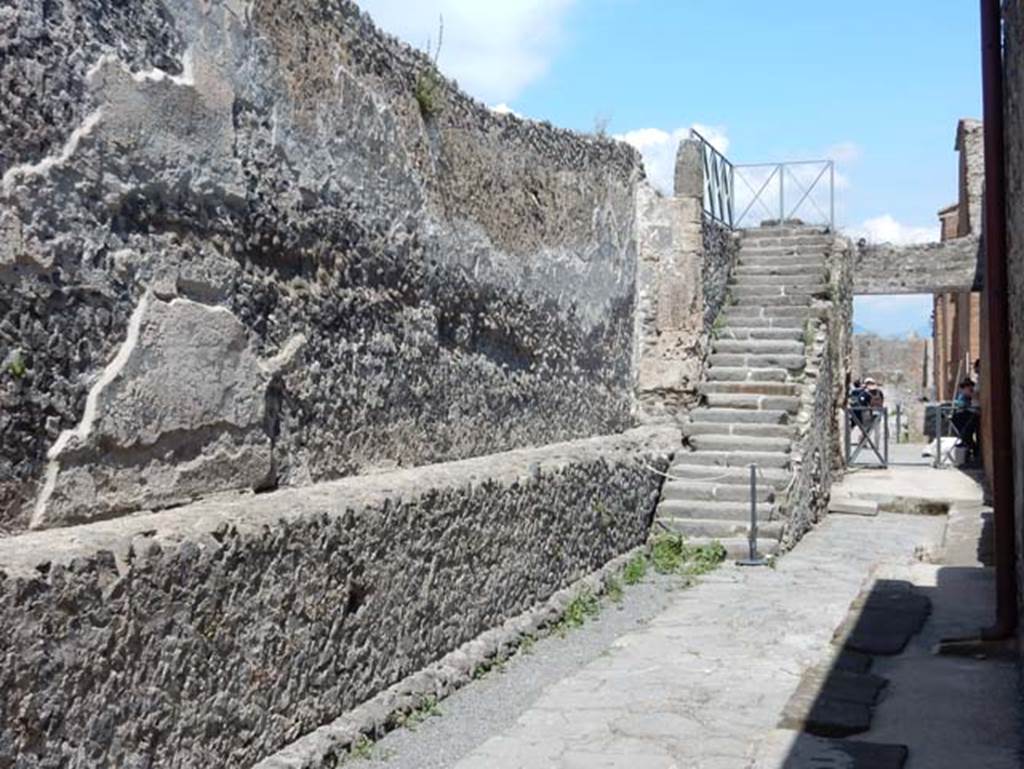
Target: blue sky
877 85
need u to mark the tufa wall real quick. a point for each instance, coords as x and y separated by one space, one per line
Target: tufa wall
215 634
237 252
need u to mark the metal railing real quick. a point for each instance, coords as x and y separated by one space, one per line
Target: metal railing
772 188
800 189
872 424
719 183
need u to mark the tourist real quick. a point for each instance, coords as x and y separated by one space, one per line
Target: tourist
965 417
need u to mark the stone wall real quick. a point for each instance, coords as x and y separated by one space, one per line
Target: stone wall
1014 119
272 247
884 268
818 453
672 295
721 249
214 634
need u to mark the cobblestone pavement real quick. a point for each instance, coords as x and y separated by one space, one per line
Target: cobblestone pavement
702 683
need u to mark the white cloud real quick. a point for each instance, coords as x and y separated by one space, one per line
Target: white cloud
844 152
504 109
658 148
885 229
893 316
494 49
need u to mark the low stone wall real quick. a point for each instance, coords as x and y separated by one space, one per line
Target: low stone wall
818 449
403 275
215 634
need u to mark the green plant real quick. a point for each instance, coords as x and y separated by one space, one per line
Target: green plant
718 326
527 644
429 83
671 555
809 333
428 709
584 605
636 569
362 749
17 367
613 589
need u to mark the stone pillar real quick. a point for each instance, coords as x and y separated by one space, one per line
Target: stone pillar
670 305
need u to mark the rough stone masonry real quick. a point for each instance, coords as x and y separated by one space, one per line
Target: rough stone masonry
363 276
261 247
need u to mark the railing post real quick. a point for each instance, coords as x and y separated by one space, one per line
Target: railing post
753 559
885 421
782 193
832 195
848 418
938 435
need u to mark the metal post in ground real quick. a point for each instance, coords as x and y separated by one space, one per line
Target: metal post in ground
753 559
938 435
899 421
885 421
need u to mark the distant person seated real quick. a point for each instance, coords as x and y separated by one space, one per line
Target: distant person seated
965 417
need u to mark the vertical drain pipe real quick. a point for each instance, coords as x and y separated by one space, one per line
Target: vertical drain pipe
997 369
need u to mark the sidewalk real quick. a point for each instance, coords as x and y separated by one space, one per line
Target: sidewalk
708 677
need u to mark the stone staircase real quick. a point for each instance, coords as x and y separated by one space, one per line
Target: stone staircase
751 393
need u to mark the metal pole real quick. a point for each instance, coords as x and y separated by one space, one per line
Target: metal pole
782 194
848 418
885 420
899 422
832 196
732 196
753 558
938 434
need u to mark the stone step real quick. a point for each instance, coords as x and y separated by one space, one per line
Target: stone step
744 374
712 510
770 269
773 301
776 459
767 360
783 230
796 332
748 313
808 263
712 442
739 416
758 346
779 290
733 476
683 493
768 279
713 529
754 429
753 402
762 240
798 249
749 388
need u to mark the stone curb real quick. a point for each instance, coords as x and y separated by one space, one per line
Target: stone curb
331 744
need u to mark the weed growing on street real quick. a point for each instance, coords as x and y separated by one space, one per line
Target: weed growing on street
613 589
636 569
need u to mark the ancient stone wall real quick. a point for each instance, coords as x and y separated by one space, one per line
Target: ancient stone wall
214 634
884 268
721 249
1014 119
818 449
252 245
